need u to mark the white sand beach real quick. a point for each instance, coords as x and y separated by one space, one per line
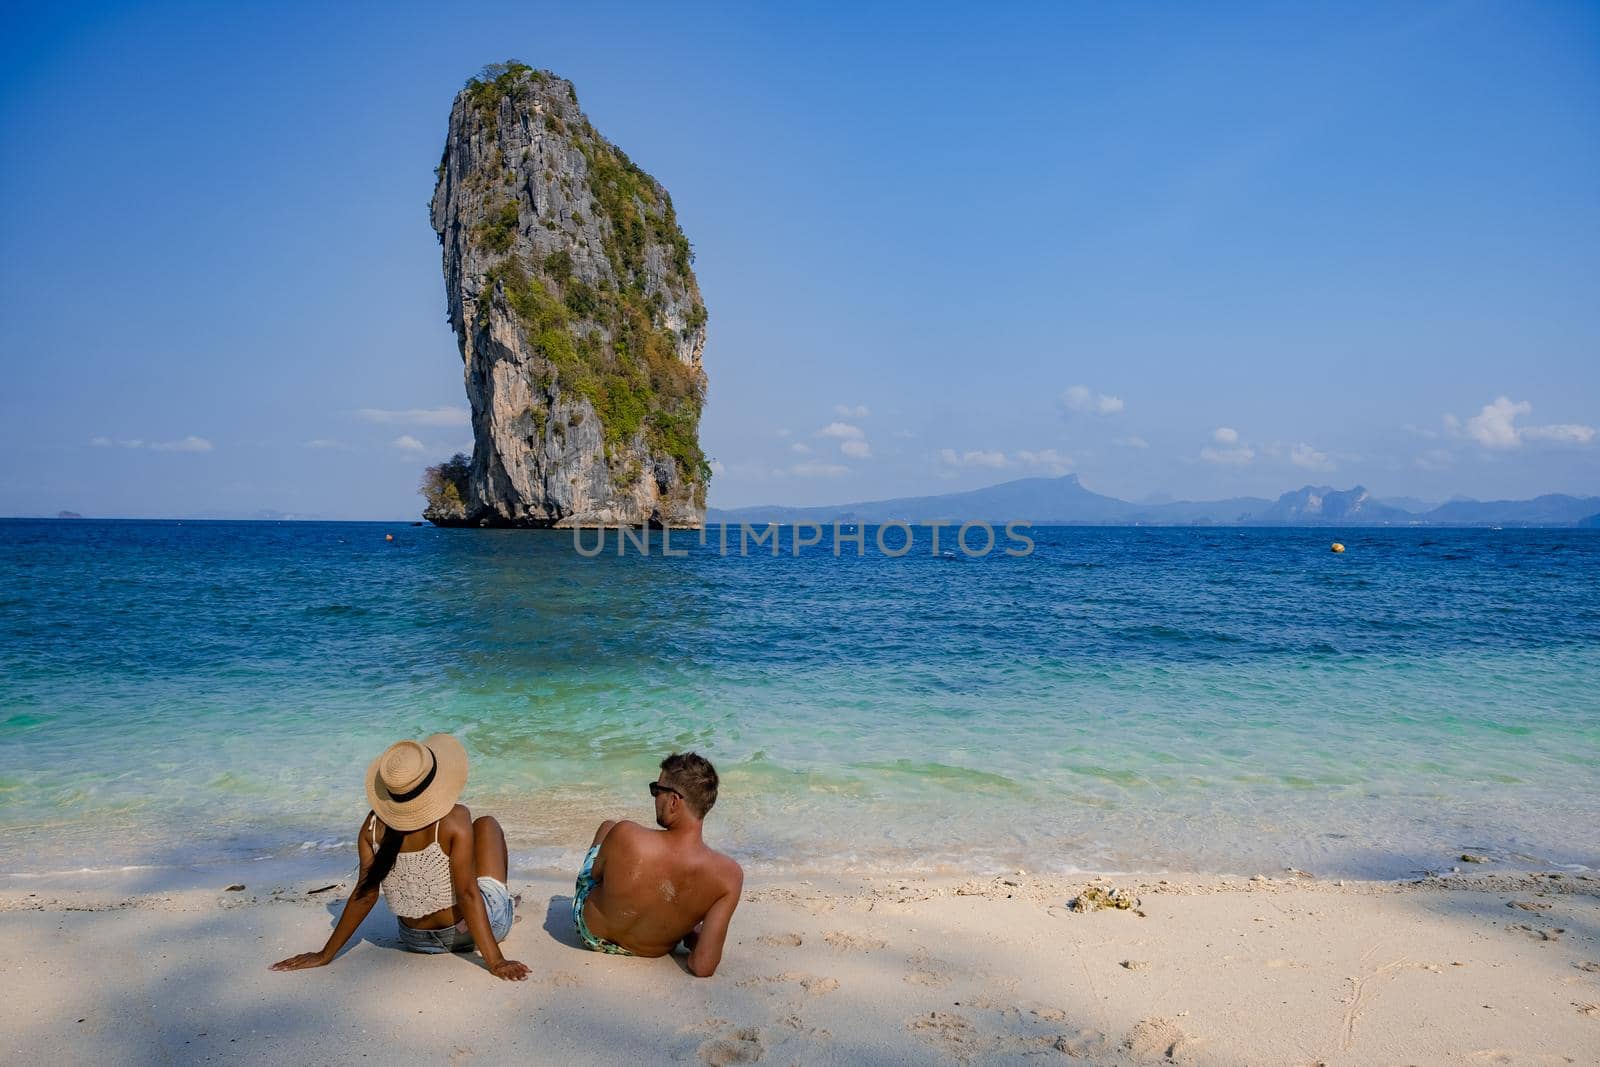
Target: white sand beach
1285 969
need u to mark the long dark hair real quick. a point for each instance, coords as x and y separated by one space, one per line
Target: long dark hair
382 860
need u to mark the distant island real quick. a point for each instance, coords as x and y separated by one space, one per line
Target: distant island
578 316
1064 501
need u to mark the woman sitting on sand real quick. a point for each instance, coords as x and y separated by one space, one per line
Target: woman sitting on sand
442 871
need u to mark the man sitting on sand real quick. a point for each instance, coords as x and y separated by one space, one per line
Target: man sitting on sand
641 892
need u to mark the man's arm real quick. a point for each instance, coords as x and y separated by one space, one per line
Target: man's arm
706 951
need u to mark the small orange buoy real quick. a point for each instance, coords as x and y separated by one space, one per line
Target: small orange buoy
1338 546
390 537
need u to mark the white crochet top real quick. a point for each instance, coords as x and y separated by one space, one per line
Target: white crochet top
419 884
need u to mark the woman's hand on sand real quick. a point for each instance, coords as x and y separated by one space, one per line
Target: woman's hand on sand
309 959
510 970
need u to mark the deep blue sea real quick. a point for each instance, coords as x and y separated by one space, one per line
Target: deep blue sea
1214 700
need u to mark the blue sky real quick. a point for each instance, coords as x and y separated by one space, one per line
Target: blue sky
1197 250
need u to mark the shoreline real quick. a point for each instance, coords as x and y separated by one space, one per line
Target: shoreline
1472 968
335 866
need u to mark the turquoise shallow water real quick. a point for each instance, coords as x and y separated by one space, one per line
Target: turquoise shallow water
1185 699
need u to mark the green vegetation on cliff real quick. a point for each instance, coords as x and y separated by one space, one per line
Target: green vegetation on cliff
609 341
636 380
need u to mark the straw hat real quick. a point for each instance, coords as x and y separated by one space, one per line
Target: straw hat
415 783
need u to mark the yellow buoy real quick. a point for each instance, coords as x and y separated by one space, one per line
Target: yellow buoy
1338 546
390 537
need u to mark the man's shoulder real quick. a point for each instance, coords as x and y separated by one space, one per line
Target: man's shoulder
726 869
624 833
625 828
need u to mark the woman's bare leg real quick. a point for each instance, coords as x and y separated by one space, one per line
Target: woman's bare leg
489 848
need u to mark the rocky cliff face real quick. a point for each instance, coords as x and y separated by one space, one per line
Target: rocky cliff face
578 317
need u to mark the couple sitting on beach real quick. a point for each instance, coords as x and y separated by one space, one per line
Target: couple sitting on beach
640 892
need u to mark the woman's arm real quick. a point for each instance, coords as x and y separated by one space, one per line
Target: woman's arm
464 876
356 909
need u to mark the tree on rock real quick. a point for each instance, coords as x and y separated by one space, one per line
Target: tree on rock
444 487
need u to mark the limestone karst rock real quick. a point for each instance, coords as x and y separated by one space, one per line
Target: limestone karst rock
579 319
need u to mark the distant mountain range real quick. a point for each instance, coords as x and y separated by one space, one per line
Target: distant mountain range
1064 501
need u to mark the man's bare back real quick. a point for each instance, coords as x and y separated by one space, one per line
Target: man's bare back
652 889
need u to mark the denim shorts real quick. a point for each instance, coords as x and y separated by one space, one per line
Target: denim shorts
496 901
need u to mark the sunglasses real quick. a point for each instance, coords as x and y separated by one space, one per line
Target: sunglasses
656 789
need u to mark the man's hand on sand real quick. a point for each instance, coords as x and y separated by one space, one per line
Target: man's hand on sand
510 970
301 962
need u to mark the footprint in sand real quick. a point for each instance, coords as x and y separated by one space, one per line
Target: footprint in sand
1552 933
798 1025
925 970
741 1046
1528 905
933 979
1588 966
1591 1010
1156 1038
814 985
950 1032
780 940
851 942
1084 1045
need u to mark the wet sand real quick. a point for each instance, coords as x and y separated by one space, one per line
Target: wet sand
1279 970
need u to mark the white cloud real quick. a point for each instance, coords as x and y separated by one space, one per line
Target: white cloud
800 448
976 458
1134 441
717 469
1085 401
1233 452
442 416
1303 455
406 443
993 459
187 444
1566 433
323 442
841 430
846 411
818 470
1048 458
856 449
1495 426
184 444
